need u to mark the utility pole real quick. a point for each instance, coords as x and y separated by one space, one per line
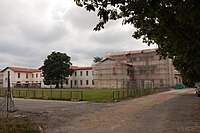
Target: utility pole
10 107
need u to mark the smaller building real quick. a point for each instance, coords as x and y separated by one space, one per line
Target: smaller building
81 78
22 77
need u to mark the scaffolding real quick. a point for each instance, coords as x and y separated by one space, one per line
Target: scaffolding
112 74
139 69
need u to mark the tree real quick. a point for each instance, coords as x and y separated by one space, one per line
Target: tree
173 25
56 68
97 59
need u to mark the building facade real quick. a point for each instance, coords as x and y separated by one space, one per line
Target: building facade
22 77
148 71
110 73
82 77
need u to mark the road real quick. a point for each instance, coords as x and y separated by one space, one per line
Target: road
176 111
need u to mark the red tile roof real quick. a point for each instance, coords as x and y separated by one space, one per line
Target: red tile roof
17 69
80 68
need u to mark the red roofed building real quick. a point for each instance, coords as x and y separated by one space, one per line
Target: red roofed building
22 77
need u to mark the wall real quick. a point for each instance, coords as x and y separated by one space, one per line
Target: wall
111 74
74 81
23 79
149 70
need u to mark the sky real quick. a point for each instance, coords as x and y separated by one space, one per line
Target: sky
32 29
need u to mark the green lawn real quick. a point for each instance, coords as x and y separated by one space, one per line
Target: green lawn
86 94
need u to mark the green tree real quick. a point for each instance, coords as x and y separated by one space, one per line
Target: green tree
97 59
56 68
173 25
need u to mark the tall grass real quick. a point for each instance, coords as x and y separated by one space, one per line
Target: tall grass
10 124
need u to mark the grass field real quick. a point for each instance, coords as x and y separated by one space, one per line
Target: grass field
90 94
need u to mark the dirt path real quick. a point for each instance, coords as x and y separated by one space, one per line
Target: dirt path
170 112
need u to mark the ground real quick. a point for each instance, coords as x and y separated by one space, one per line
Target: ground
176 111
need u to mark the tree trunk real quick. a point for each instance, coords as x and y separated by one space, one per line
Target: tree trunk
61 84
57 85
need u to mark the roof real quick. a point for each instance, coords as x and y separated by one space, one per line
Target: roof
81 68
18 69
133 52
122 62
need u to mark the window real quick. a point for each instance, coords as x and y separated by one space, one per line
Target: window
32 75
134 59
152 70
152 57
141 58
92 82
81 73
129 71
67 82
86 73
18 75
114 73
26 75
161 82
75 73
75 82
87 82
36 75
142 71
81 82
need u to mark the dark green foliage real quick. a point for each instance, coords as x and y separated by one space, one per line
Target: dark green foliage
56 68
97 59
173 25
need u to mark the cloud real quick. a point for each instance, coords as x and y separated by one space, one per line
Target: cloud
31 29
80 19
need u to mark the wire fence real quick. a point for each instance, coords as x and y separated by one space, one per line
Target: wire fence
45 94
84 94
132 93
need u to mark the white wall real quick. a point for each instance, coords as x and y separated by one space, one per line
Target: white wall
78 77
23 79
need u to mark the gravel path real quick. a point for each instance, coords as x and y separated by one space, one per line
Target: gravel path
176 111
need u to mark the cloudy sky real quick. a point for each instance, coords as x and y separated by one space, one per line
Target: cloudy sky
32 29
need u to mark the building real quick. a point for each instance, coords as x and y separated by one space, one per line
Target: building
129 69
111 73
81 78
147 70
22 77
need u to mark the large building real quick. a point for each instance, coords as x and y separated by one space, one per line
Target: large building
147 70
22 77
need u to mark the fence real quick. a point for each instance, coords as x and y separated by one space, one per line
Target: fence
45 94
84 94
132 93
